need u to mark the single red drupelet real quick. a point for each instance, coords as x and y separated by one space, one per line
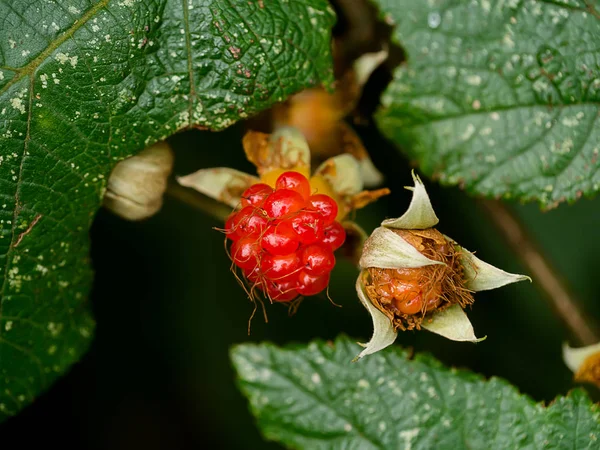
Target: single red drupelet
256 194
283 202
294 181
326 206
317 259
279 239
334 236
311 284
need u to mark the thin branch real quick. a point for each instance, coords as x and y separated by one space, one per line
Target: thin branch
198 201
565 304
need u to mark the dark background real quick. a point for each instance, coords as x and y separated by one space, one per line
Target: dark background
168 309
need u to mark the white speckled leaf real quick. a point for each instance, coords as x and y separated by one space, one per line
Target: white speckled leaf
420 214
312 397
384 333
501 97
386 250
86 83
343 173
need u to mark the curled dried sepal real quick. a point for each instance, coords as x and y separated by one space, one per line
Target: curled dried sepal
342 172
136 185
285 149
584 362
222 183
481 276
387 250
384 333
420 214
451 323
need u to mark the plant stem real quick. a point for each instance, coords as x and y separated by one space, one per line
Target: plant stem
198 201
566 305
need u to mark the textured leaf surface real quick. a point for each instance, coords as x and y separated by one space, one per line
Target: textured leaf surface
314 398
84 84
502 97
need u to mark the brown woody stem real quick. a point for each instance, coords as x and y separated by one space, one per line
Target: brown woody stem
565 304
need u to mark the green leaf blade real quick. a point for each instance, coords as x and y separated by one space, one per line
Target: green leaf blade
85 85
314 397
502 98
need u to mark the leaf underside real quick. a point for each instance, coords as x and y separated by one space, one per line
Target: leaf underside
501 97
313 397
84 84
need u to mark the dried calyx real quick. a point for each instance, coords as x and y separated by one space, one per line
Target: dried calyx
415 277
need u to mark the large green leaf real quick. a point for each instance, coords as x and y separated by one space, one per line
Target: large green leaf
314 398
84 84
502 97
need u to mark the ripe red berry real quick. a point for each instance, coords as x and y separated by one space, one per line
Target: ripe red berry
281 291
245 253
326 206
317 259
294 181
283 202
250 221
256 194
280 239
253 275
230 227
308 226
279 267
334 236
310 284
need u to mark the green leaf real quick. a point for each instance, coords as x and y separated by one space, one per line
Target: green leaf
84 84
313 397
501 97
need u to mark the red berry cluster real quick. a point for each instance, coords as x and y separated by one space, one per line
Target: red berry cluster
284 238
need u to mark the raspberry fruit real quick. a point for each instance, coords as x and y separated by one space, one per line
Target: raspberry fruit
284 238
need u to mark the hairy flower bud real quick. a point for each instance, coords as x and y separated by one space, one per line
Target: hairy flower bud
137 184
